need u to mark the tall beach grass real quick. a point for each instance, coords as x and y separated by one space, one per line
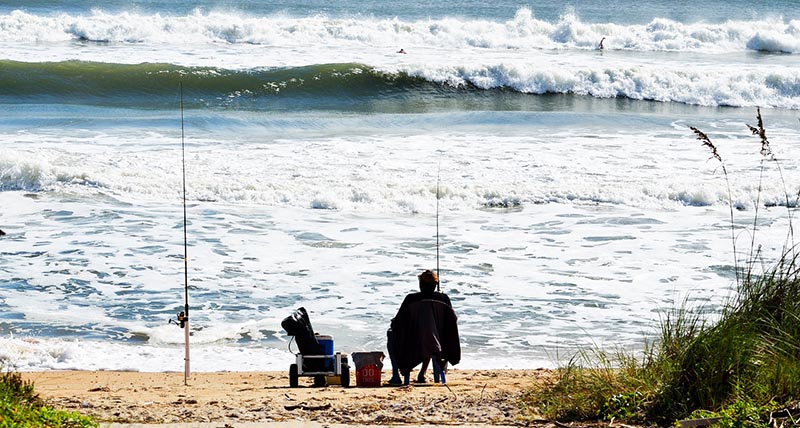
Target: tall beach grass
740 366
22 407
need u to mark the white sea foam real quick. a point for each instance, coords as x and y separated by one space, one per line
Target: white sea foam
522 31
706 86
54 354
770 40
353 174
29 354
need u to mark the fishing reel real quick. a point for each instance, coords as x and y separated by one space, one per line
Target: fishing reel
182 319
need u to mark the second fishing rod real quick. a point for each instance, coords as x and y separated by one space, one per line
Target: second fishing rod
438 182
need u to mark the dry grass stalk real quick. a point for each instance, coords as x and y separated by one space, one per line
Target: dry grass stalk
762 134
706 142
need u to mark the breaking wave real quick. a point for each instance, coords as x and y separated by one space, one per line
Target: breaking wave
146 84
520 32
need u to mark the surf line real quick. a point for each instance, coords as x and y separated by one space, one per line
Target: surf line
183 316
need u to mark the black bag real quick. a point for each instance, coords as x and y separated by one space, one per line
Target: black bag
298 325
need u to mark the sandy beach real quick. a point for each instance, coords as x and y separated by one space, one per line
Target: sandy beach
479 398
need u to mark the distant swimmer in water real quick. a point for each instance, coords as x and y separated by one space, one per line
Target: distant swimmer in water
2 233
601 43
402 51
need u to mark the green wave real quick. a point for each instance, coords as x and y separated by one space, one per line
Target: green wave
80 80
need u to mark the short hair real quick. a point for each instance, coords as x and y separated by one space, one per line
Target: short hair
428 280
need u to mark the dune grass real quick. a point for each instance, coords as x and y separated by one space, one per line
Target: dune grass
740 367
21 407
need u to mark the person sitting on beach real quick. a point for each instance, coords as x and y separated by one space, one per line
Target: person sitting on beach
424 329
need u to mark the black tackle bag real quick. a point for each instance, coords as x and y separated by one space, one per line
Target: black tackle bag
298 325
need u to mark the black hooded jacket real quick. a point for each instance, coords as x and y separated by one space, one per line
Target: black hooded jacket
425 326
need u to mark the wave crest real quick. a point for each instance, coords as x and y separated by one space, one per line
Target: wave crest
18 174
522 31
153 83
739 88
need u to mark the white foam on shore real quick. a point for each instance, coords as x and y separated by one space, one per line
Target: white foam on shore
54 354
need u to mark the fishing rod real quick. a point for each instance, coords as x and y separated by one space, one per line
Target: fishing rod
185 251
438 274
183 317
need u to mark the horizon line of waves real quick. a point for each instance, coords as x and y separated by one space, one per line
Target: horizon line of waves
153 85
522 31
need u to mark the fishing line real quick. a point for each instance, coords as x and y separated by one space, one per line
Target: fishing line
438 174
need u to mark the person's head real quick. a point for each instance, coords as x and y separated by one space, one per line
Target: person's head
428 280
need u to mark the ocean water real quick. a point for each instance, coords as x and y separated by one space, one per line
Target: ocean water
575 204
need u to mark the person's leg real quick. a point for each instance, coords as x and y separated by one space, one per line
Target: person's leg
438 372
422 370
395 380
